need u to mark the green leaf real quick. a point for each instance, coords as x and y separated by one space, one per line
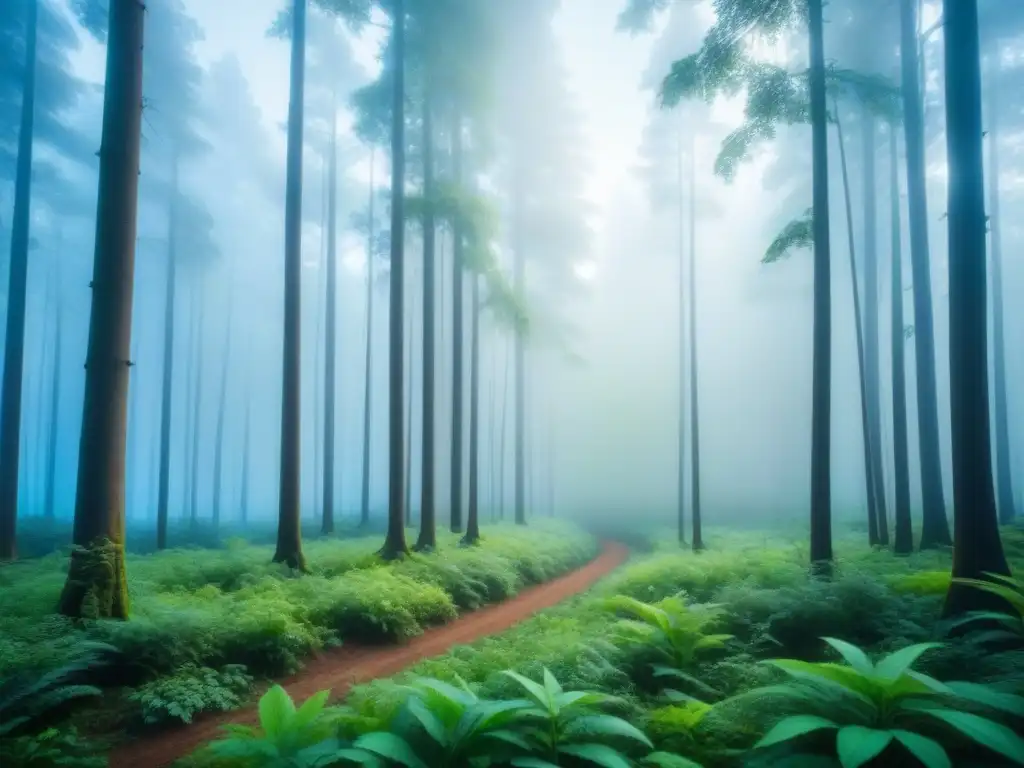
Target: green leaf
430 722
536 691
895 664
792 728
668 760
276 709
310 709
983 694
857 745
853 655
989 734
532 762
839 675
390 747
605 725
551 685
929 752
509 737
598 754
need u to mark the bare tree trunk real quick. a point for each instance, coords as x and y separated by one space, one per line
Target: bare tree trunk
977 549
821 397
492 423
394 542
935 527
519 285
188 423
681 394
289 523
408 409
364 508
903 540
14 345
197 410
55 384
97 582
330 339
698 535
865 420
222 407
473 520
457 342
168 368
243 501
502 440
428 529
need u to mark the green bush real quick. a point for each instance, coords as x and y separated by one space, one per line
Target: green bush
190 691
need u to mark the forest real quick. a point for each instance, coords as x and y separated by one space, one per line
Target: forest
525 384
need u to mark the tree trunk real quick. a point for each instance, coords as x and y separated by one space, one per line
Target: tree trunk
330 337
821 397
364 507
903 542
935 527
697 537
871 378
97 584
1000 410
289 523
51 449
197 410
977 550
243 500
473 519
132 464
408 409
865 420
428 528
502 440
519 285
394 542
222 407
188 423
492 424
14 345
457 341
168 368
681 419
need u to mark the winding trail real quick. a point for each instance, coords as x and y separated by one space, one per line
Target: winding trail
351 664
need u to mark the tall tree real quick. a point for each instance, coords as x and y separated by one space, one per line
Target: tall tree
472 534
697 535
977 549
371 234
14 344
934 527
49 507
289 529
458 334
222 407
96 576
330 339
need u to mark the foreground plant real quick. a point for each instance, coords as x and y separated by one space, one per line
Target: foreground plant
679 633
1011 591
873 706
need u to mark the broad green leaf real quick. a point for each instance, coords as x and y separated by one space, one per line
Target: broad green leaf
358 757
929 752
532 762
895 664
390 747
853 655
568 699
310 709
839 675
857 745
509 737
536 691
983 694
989 734
1010 594
668 760
551 685
712 641
276 709
605 725
430 722
793 727
598 754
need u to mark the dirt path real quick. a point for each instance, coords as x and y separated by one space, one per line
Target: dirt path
351 664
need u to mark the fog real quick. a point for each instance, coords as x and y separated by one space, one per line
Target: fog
603 267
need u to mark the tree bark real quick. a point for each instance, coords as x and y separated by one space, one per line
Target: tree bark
188 424
428 526
519 285
977 550
821 397
243 500
394 542
473 519
51 450
697 536
289 528
502 439
458 336
364 507
1000 409
168 367
14 345
330 337
903 542
410 351
871 378
681 419
935 527
97 584
865 421
197 410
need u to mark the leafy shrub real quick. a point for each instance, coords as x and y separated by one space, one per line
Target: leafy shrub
1010 591
872 706
192 690
50 748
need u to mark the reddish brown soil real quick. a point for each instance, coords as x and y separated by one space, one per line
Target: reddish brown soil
340 669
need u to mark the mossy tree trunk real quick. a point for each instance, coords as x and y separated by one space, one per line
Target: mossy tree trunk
97 583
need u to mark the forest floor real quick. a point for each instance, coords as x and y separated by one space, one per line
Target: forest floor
353 664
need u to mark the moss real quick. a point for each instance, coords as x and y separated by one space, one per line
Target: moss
97 584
